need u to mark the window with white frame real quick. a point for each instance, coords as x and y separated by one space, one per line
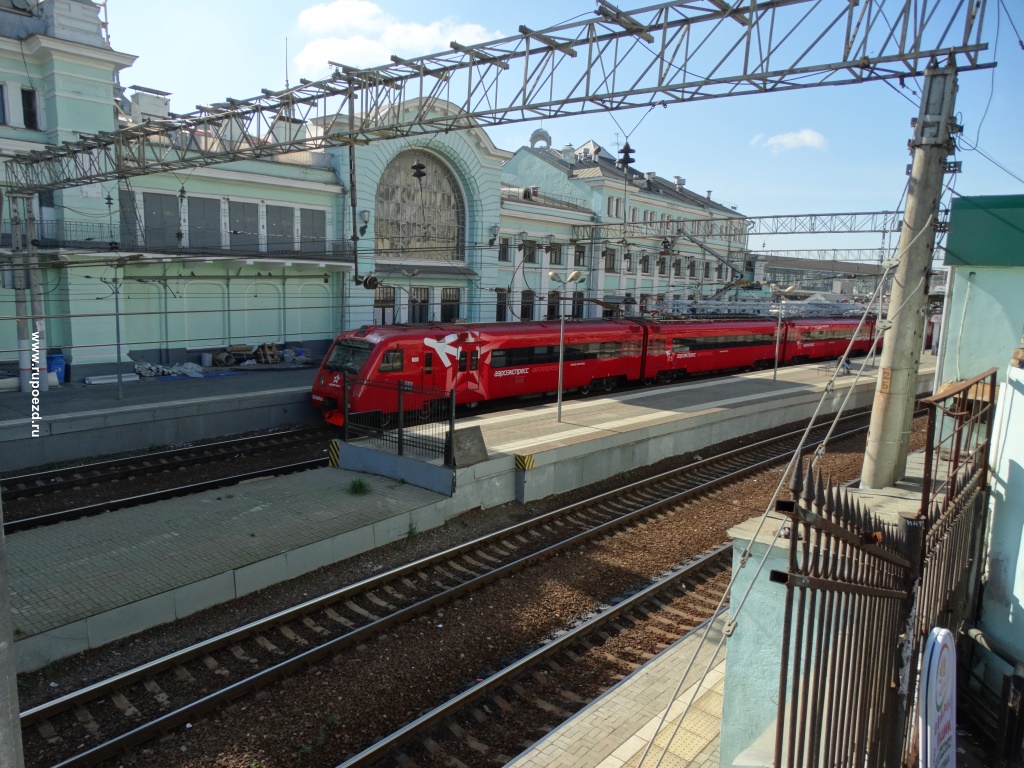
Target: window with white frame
419 305
29 109
450 303
609 260
580 256
384 305
529 299
500 305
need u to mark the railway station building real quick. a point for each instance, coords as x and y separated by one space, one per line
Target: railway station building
451 227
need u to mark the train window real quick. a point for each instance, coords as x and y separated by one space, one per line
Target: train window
392 361
428 362
348 355
610 349
462 360
474 359
722 342
498 358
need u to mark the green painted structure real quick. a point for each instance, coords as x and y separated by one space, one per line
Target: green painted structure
983 317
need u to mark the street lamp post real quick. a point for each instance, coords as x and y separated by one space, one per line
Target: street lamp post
574 277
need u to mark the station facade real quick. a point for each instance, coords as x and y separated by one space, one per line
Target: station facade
451 227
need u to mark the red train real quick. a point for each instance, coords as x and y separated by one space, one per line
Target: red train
490 361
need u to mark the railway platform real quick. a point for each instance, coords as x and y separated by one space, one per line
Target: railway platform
76 421
669 710
80 584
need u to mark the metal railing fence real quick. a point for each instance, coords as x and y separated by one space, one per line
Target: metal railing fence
399 417
863 594
846 602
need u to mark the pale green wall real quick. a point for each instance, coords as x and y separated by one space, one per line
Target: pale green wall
1002 616
753 650
983 336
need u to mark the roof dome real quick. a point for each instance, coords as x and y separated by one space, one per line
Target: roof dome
538 136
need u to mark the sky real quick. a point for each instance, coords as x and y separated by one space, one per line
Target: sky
818 150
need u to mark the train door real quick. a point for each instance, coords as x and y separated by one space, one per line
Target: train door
787 336
468 379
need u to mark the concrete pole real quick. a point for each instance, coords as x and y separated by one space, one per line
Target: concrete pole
35 291
21 310
10 723
885 460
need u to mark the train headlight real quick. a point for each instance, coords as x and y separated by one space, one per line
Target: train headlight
323 378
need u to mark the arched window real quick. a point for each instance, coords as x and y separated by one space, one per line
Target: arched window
419 218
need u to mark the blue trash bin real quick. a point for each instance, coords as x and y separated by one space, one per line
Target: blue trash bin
55 365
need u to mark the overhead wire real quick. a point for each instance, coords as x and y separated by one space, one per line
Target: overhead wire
736 608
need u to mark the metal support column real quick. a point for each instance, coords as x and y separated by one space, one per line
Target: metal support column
21 308
888 438
35 291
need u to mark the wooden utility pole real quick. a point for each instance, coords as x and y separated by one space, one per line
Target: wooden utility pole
885 460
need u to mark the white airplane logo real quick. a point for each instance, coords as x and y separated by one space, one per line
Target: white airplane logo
444 348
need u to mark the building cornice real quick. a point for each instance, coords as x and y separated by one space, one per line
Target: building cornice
37 45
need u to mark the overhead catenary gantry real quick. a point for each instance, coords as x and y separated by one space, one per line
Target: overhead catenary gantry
663 54
737 228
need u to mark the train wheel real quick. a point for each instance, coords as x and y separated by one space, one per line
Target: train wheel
609 384
585 389
648 382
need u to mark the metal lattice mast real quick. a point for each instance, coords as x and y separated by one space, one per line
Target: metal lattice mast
664 54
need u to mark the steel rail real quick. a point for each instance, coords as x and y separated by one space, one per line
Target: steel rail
168 493
56 479
380 750
212 701
289 614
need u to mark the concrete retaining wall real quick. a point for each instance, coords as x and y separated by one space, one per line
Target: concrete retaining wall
74 436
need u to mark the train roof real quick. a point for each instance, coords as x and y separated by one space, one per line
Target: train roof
415 331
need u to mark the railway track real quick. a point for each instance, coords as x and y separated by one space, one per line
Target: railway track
496 719
101 720
56 483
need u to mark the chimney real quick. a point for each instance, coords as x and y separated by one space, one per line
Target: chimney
709 194
680 183
568 154
650 176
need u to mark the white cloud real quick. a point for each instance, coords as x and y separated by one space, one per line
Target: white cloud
359 33
342 16
782 142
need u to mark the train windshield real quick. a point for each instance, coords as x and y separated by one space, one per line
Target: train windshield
348 355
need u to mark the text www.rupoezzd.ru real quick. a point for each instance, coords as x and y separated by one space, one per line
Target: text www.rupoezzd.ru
34 381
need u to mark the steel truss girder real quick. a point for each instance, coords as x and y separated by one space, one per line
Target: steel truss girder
825 255
735 229
663 54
